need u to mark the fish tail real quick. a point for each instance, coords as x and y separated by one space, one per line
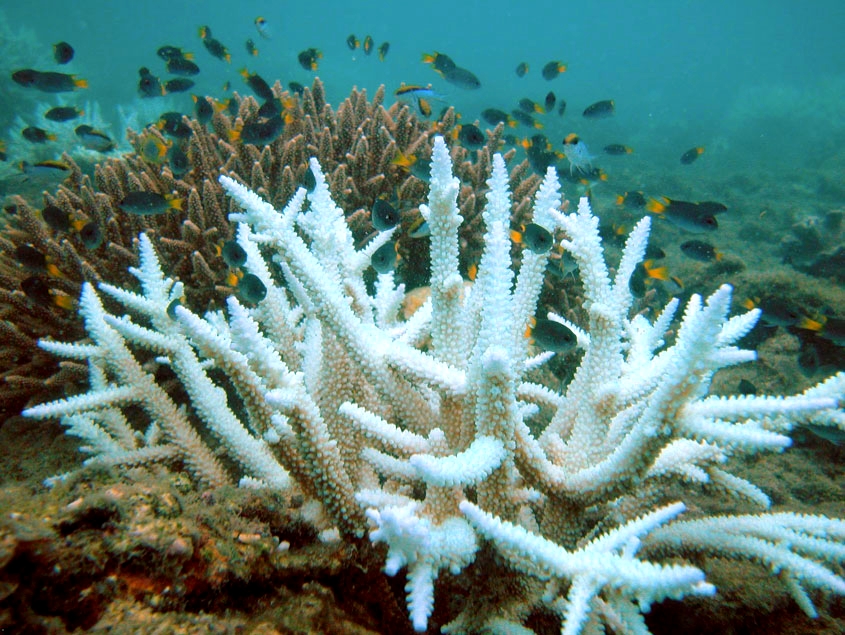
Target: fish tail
80 83
658 273
655 206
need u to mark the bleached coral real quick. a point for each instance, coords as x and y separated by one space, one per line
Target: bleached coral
428 445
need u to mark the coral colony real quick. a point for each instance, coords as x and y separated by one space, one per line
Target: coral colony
429 433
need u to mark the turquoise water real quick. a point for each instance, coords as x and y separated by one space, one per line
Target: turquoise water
757 83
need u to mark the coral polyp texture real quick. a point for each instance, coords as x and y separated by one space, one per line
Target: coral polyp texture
432 437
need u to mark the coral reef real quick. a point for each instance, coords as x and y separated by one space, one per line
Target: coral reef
419 430
356 144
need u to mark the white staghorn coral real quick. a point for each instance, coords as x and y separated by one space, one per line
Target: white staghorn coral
429 446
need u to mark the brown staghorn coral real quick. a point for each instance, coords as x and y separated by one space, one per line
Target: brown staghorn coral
357 144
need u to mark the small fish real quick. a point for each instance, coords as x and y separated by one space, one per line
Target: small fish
178 160
203 109
552 336
384 258
462 78
561 107
525 119
91 235
600 109
56 218
616 149
257 84
553 69
352 42
171 124
31 258
263 28
260 132
536 237
691 155
308 59
521 69
233 254
529 106
368 44
149 203
168 52
182 66
783 312
701 251
45 169
94 139
149 85
36 289
48 82
37 135
471 137
63 113
251 289
382 50
632 200
178 85
549 101
683 214
213 45
62 52
645 274
251 49
152 148
421 169
384 216
578 155
440 62
420 229
296 87
494 116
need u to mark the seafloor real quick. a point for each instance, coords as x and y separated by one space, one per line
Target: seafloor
143 552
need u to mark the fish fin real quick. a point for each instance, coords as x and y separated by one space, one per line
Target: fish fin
472 271
655 206
810 324
658 273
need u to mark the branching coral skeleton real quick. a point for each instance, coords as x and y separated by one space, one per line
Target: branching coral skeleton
419 429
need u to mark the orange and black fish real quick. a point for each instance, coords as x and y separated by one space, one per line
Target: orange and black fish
149 203
684 214
308 58
525 119
600 109
352 42
62 52
440 62
691 155
37 135
94 139
168 52
45 169
48 82
182 66
616 149
462 78
368 44
63 113
257 84
471 136
530 106
549 102
700 250
553 69
521 69
382 50
149 85
632 200
213 45
494 116
259 132
178 85
251 49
